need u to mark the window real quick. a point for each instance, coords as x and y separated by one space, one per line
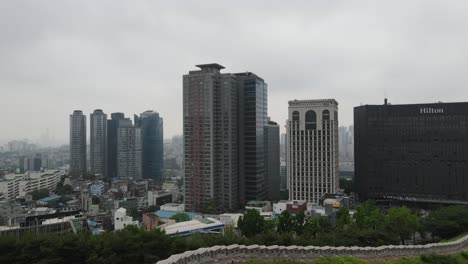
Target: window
310 120
326 115
295 116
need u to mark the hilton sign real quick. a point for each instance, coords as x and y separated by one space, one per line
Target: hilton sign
430 110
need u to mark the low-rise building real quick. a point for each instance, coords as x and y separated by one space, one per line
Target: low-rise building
293 207
8 210
159 198
260 206
48 200
138 187
127 203
279 207
121 220
203 225
168 214
173 207
120 184
230 219
296 207
97 188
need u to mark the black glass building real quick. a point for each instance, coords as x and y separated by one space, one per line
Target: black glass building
253 107
112 140
151 125
414 152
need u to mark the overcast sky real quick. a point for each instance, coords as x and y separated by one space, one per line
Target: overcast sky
129 56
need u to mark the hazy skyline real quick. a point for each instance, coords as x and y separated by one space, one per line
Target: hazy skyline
129 56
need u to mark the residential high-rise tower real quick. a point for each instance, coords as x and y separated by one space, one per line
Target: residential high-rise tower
210 138
129 150
225 116
98 146
77 144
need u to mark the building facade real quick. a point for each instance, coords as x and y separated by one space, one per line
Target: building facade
112 140
210 138
129 151
77 144
225 116
151 125
98 146
272 152
414 152
312 163
283 176
252 114
18 185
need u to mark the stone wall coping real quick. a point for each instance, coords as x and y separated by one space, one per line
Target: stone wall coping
219 252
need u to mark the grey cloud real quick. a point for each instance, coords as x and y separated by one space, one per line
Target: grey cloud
57 56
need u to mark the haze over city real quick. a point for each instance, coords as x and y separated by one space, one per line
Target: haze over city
58 56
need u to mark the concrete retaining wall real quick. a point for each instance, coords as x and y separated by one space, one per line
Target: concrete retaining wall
241 252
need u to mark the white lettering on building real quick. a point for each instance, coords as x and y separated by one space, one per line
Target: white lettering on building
430 110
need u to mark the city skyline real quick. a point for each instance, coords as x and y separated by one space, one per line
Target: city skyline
355 52
244 131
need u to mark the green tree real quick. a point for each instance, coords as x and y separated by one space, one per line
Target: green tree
180 217
151 209
401 221
299 220
67 189
343 220
95 199
285 222
312 227
39 194
368 215
346 185
447 222
252 223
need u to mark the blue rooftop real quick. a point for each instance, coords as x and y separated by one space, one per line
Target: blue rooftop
169 214
50 198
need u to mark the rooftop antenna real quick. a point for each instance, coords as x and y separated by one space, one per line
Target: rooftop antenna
385 96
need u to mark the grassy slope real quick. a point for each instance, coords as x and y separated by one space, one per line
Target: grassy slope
426 259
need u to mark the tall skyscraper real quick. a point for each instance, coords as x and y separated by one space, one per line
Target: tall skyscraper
129 150
77 144
346 144
210 101
98 147
225 116
151 125
112 135
312 131
412 152
272 161
252 121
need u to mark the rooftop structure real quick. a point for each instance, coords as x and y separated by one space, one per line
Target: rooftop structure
169 214
204 225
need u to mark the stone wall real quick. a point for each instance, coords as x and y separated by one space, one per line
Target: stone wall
242 252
